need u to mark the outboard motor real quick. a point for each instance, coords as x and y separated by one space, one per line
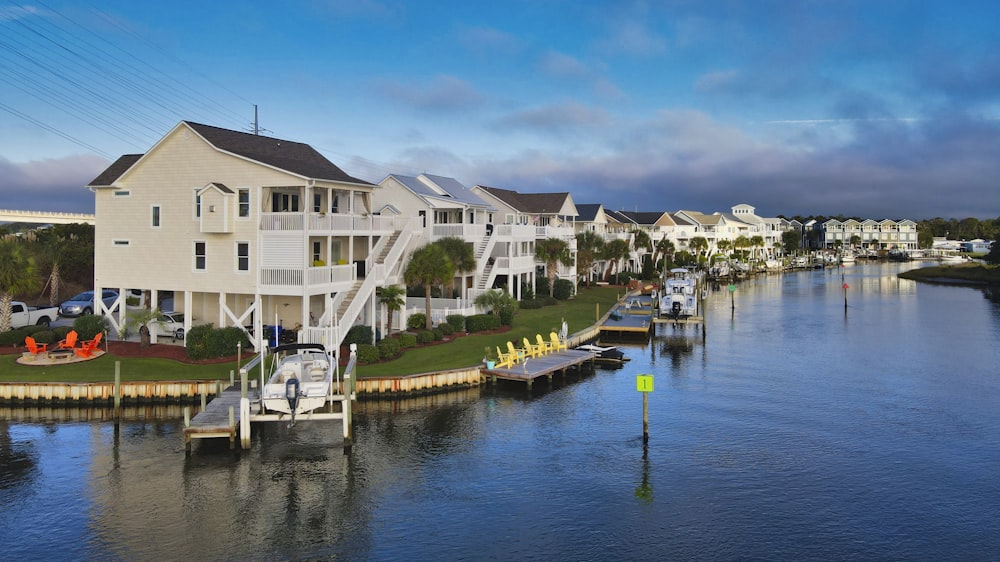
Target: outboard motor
675 309
292 395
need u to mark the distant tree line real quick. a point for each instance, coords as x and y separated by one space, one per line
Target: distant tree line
928 229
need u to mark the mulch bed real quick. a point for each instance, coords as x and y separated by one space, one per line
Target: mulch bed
133 349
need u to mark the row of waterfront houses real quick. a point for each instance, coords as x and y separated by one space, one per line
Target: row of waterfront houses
251 231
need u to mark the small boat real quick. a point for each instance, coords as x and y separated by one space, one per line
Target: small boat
679 299
606 354
301 379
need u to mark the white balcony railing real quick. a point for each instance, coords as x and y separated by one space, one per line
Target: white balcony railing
332 223
467 232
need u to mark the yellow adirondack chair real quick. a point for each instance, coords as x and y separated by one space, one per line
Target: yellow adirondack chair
531 350
505 360
542 344
517 353
557 345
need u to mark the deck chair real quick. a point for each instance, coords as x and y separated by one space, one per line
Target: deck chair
531 350
545 346
518 354
69 342
505 359
88 347
35 347
557 345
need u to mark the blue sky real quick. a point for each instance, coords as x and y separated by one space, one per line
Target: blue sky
878 109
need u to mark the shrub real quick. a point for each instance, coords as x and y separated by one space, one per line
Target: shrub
358 335
506 315
425 336
59 332
532 304
446 329
195 341
388 348
456 321
563 289
44 336
482 323
16 337
367 353
438 333
90 325
550 301
222 342
416 321
407 340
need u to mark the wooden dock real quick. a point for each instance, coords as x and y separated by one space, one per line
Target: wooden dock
530 368
219 418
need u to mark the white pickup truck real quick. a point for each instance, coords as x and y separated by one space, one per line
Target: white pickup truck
24 315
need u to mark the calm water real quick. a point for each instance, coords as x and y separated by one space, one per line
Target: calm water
794 431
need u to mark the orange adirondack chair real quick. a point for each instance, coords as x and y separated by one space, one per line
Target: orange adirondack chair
33 346
69 342
88 347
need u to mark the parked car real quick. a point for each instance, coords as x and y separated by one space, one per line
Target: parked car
172 323
83 303
23 315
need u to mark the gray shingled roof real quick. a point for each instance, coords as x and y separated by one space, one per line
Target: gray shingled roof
587 212
538 203
295 157
643 217
114 171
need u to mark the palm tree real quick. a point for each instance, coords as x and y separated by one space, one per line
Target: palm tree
724 246
641 241
461 254
665 247
756 241
142 318
429 266
393 298
614 251
53 246
17 275
553 251
741 243
588 248
697 244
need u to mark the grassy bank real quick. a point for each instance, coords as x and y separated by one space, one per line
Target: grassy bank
972 273
579 313
465 351
102 369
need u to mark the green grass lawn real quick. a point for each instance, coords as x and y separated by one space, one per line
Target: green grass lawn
962 273
102 369
582 311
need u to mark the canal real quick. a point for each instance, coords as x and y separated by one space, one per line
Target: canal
798 428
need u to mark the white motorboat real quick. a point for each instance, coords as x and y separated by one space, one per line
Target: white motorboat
679 298
301 379
604 354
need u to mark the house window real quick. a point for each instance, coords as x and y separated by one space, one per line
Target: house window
244 203
284 202
122 193
316 251
155 218
197 205
243 256
199 256
335 204
317 203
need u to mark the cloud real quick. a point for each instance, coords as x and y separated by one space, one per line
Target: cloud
632 37
442 94
488 40
557 119
944 166
55 184
561 65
